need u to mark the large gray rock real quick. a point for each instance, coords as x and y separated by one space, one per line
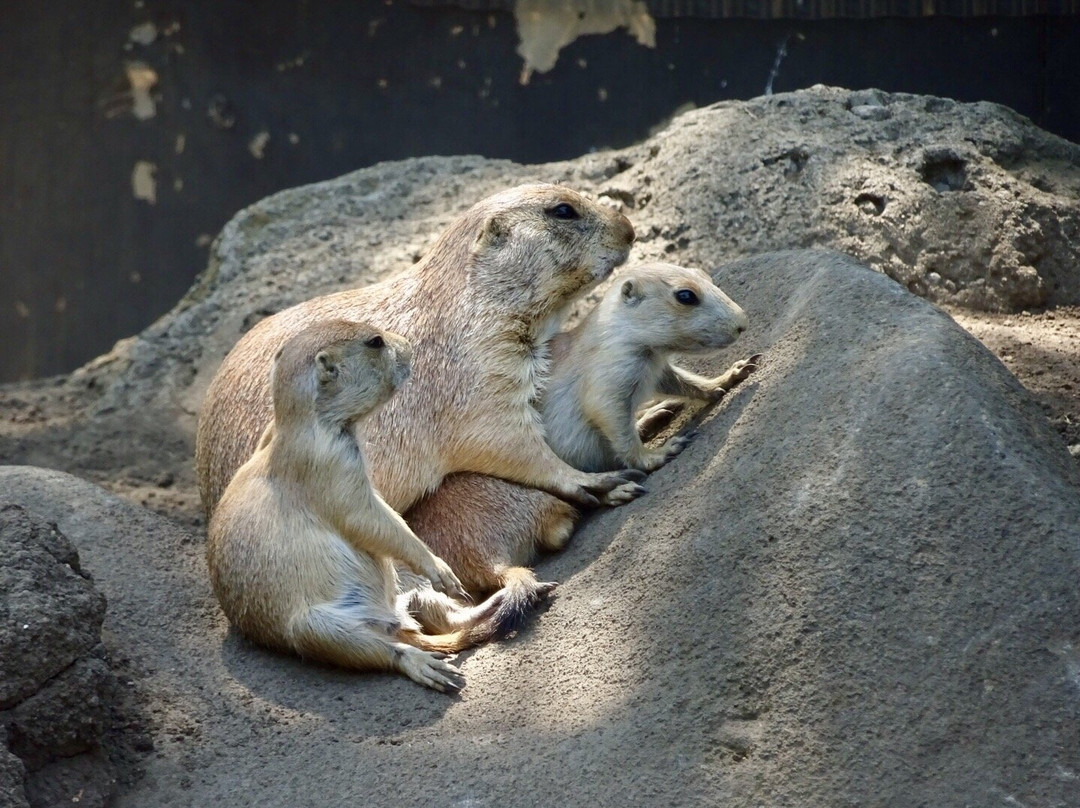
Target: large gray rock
54 684
12 777
52 613
962 203
856 586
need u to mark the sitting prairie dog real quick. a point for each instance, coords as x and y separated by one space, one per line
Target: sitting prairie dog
301 548
617 359
480 309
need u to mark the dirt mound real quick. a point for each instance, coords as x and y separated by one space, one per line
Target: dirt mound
856 585
965 204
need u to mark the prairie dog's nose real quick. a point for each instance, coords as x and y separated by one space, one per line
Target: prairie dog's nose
742 322
626 230
403 349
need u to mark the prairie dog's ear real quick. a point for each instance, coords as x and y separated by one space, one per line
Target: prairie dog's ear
494 232
631 293
327 367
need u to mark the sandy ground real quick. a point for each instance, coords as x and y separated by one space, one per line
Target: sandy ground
1043 351
830 642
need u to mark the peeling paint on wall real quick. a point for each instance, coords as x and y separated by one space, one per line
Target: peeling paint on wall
221 113
143 181
547 26
143 79
143 34
257 145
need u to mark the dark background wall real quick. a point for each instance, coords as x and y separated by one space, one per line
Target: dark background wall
340 84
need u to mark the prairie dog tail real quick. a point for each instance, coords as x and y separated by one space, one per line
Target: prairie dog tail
443 624
521 592
440 643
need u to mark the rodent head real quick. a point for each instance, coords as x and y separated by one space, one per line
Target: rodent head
677 309
538 247
338 371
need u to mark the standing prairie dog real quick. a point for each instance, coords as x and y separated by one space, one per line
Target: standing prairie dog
301 548
480 309
617 359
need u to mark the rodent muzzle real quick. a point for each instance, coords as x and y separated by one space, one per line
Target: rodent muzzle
625 229
742 322
402 369
736 323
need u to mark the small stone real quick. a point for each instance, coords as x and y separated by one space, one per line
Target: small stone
871 113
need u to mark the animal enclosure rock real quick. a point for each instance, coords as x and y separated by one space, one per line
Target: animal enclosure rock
967 204
857 585
54 684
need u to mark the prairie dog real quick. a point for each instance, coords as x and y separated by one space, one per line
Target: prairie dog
301 548
615 360
618 359
479 308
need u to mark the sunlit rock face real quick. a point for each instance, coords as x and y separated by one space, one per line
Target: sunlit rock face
857 585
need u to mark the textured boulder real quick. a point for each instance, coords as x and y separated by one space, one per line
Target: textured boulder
962 203
12 777
52 612
54 685
856 586
968 204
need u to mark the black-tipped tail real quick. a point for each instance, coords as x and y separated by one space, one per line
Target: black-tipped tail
521 595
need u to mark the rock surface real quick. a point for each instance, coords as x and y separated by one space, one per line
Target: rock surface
54 684
12 777
856 586
962 203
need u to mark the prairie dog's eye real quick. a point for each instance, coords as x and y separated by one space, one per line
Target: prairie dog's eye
563 210
687 297
375 342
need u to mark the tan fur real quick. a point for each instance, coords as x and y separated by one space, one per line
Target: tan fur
614 362
301 548
479 309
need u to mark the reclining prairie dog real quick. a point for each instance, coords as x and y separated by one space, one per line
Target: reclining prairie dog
301 548
480 309
604 370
